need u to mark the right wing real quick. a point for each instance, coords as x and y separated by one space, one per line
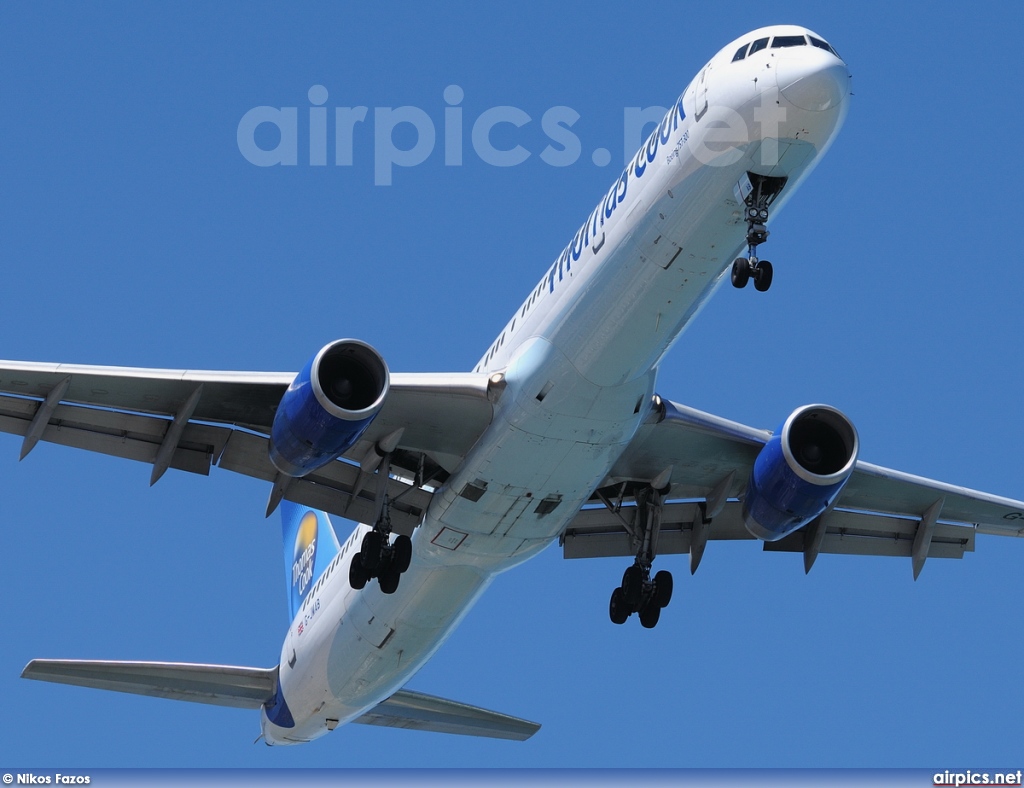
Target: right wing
880 512
226 685
191 420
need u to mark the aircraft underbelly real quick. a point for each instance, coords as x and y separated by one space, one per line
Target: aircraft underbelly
378 641
575 386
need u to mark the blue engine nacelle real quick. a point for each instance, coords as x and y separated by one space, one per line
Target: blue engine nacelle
800 471
328 406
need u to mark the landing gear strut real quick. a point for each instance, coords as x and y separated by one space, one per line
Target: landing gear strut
763 190
378 556
639 593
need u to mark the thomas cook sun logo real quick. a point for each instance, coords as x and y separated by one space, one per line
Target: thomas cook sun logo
305 555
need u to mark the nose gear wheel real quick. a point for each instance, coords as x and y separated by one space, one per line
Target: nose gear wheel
764 190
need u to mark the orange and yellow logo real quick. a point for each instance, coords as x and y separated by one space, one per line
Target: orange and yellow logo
305 554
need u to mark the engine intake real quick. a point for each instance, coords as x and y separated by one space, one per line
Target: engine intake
328 406
800 471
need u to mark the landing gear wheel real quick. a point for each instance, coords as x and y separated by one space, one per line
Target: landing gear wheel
369 552
662 589
389 581
632 586
618 611
402 553
650 614
763 276
357 575
740 272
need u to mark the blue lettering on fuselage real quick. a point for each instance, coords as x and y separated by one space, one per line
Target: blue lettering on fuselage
607 207
617 194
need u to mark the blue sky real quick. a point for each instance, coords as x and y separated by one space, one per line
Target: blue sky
135 233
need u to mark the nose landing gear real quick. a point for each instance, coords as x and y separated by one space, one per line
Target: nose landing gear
760 191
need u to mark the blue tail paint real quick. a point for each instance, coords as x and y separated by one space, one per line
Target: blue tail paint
309 546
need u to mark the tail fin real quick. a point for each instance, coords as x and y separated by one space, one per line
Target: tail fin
309 546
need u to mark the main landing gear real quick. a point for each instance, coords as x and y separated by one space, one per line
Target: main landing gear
378 556
638 592
763 190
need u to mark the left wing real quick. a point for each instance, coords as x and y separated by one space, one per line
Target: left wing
192 420
879 511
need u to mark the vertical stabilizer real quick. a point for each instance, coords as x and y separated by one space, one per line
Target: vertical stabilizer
309 546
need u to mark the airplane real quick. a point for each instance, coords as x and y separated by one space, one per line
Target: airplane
556 434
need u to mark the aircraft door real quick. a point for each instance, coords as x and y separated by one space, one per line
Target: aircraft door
700 94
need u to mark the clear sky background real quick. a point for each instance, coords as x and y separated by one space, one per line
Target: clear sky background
133 232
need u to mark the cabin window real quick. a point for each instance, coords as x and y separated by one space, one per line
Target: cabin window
740 53
757 46
788 41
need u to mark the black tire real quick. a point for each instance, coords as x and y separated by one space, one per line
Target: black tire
402 553
632 587
369 552
763 276
740 272
389 581
663 588
357 576
617 608
649 615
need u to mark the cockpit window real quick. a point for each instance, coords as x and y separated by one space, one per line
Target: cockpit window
822 45
758 45
788 41
740 53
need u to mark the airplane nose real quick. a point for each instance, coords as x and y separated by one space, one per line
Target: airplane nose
812 84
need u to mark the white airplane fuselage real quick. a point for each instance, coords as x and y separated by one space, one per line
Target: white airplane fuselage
576 368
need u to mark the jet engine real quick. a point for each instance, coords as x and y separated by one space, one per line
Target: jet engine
800 471
328 406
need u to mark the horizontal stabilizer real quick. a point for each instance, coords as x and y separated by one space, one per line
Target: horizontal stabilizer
416 711
250 688
221 685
